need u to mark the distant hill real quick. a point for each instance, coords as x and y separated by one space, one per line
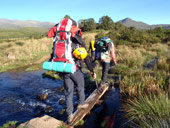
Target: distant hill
141 25
164 26
13 24
131 23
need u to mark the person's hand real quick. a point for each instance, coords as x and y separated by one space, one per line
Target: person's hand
93 75
115 63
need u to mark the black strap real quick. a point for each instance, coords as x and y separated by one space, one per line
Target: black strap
63 31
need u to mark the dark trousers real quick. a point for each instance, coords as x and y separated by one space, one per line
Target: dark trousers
105 69
70 80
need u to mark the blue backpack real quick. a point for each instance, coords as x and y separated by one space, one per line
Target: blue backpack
103 47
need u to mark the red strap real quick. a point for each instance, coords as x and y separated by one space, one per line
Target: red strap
64 67
63 28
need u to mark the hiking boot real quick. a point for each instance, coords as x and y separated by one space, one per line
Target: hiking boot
82 106
104 83
70 118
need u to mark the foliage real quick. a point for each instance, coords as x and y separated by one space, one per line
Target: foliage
67 17
20 52
35 33
106 23
87 25
148 90
51 74
10 124
100 35
149 111
79 123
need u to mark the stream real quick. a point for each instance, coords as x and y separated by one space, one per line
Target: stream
19 92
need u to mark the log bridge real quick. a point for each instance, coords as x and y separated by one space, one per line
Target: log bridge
90 101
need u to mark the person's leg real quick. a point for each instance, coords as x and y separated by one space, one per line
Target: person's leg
78 78
69 89
105 69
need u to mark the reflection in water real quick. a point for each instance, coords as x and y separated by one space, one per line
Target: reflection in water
105 115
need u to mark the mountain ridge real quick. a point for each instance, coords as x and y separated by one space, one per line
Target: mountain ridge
141 25
14 24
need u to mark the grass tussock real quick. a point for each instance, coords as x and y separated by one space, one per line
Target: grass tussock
129 56
149 111
147 88
145 83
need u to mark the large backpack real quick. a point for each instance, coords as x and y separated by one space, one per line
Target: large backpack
62 49
103 47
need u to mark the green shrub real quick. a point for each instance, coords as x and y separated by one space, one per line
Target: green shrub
19 43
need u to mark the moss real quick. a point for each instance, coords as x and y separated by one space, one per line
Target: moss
10 124
51 74
34 68
79 123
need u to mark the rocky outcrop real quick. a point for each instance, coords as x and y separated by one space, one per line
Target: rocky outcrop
42 122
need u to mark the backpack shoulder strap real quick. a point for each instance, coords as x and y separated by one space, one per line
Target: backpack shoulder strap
63 29
75 29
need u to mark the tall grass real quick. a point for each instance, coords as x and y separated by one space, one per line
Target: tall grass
149 111
148 90
132 57
145 83
23 52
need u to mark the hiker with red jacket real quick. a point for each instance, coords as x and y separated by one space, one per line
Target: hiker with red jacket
67 39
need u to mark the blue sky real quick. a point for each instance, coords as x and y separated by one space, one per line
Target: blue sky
148 11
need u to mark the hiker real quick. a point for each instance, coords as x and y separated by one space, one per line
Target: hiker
69 47
104 49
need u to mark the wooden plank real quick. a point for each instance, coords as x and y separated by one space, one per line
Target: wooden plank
90 101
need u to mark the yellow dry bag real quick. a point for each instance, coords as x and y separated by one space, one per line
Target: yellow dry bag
92 46
80 53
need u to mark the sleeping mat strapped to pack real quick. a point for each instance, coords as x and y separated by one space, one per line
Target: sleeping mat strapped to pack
59 67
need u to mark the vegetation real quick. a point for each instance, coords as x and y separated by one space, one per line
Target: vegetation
33 33
143 62
20 52
10 124
149 111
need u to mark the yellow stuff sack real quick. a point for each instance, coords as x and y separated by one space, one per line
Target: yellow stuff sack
80 53
92 46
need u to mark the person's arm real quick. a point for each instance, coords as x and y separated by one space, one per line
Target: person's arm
52 31
89 50
87 61
113 55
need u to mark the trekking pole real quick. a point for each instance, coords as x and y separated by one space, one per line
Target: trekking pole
96 84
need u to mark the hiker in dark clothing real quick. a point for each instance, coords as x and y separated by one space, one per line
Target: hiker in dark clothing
60 32
104 49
